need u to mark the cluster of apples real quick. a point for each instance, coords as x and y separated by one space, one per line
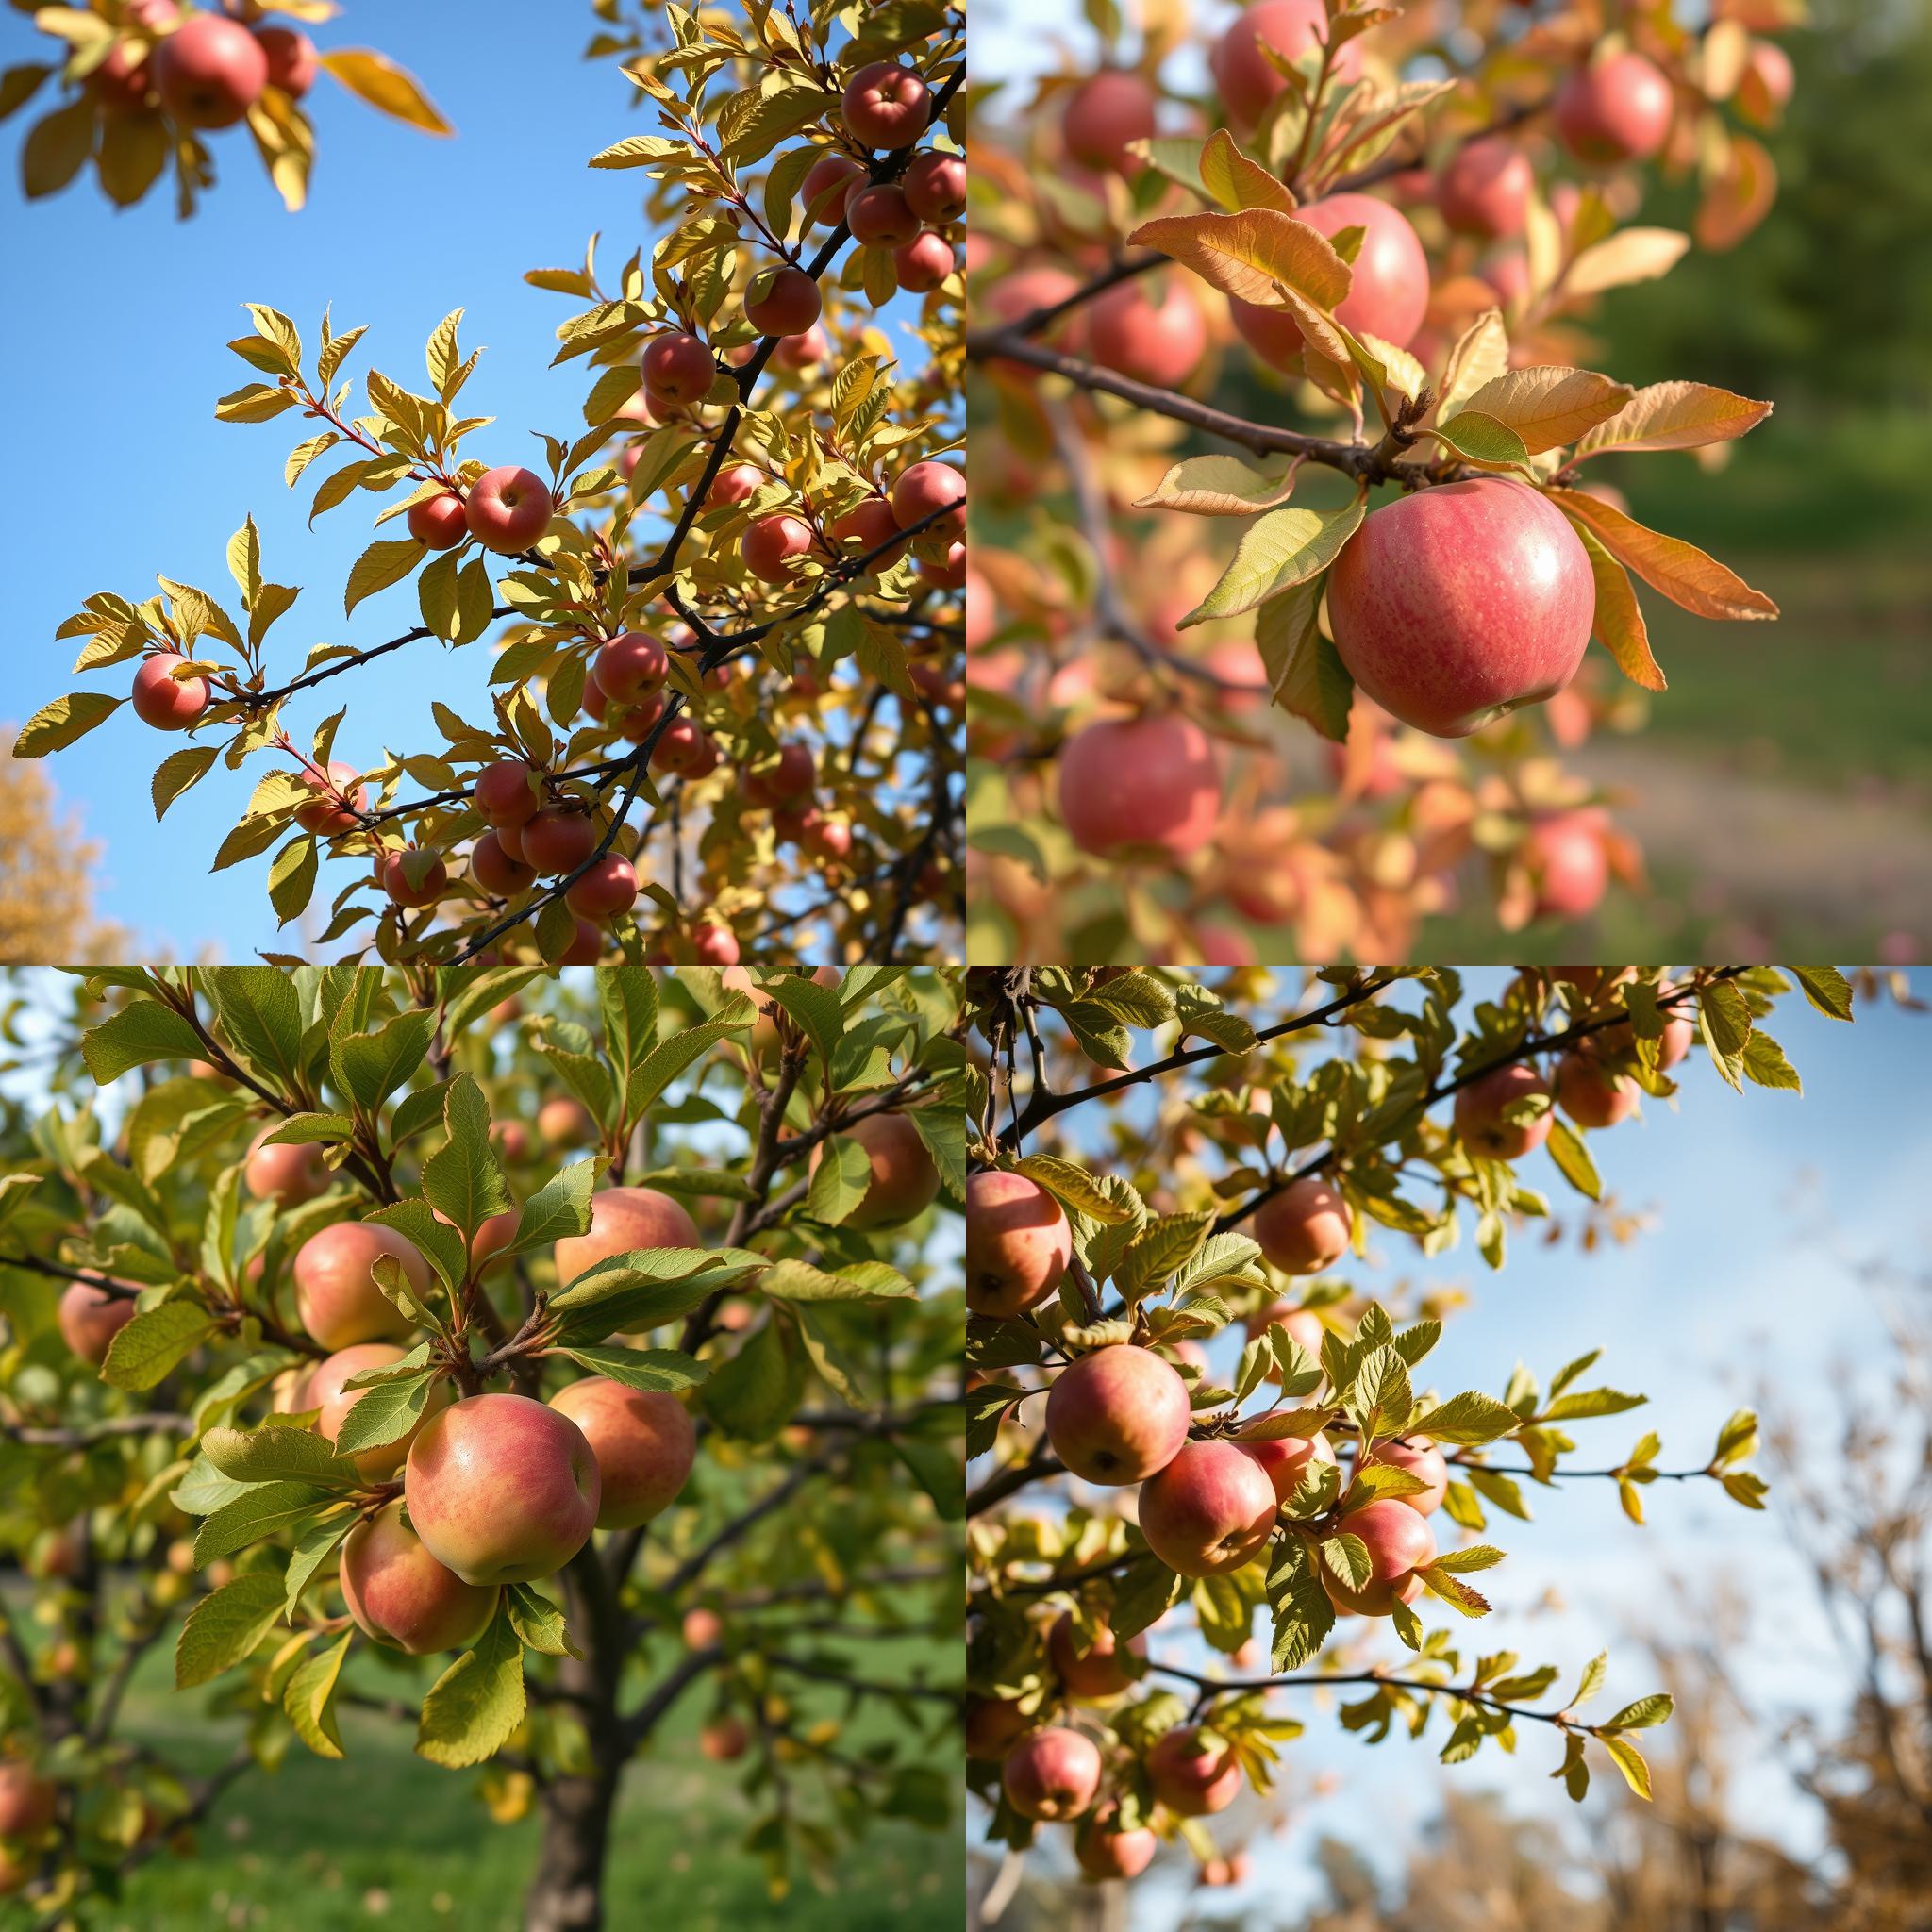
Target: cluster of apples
203 70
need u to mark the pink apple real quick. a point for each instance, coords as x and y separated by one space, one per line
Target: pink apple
1054 1774
1152 334
336 1294
1286 1458
1306 1227
645 1441
621 1220
1480 1119
1399 1543
1103 114
1389 290
1246 81
164 701
89 1320
210 71
1211 1510
400 1596
508 509
1094 1671
1147 781
1420 1457
324 1390
1018 1243
1118 1415
1486 188
1614 110
1190 1775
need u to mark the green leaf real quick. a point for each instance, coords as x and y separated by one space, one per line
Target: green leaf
561 1206
1468 1418
754 1392
1572 1160
312 1549
840 1181
56 724
815 1008
944 1131
152 1343
309 1698
260 1512
1073 1185
277 1455
292 878
223 1629
668 1060
386 1414
1630 1760
1646 1711
799 1281
628 997
462 1178
537 1621
371 1066
142 1031
475 1705
260 1016
439 1243
642 1368
1828 989
382 564
179 771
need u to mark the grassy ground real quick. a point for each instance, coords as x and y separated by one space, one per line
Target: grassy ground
384 1838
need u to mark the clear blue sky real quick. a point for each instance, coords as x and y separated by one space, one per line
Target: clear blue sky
113 354
1756 1198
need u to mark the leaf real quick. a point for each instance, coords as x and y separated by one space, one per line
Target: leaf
1549 406
291 876
754 1392
1630 1760
1566 1148
385 1414
1253 255
152 1343
1237 182
1631 255
375 78
1073 1185
1828 989
475 1705
274 1455
799 1281
1674 415
1681 570
56 147
58 723
179 771
309 1698
371 1066
223 1629
382 564
1279 549
259 1511
1304 670
1640 1716
1471 1417
648 1369
1618 621
462 1178
840 1181
538 1622
1480 355
561 1206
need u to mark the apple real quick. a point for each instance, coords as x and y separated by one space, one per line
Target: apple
1306 1227
1389 290
607 891
1454 606
26 1800
89 1320
292 62
678 368
495 871
1156 335
1614 110
866 528
734 483
1103 1850
1566 861
401 1597
949 575
124 80
645 1441
586 946
1592 1094
508 791
394 875
685 751
324 1390
1052 1775
701 1628
935 184
1210 1511
1486 188
210 71
781 302
287 1174
621 1219
803 352
1284 1459
770 543
715 945
723 1739
164 701
1117 1415
336 1294
922 265
1018 1243
1099 1669
886 105
1151 780
993 1726
508 509
904 1182
558 838
630 666
501 1488
1192 1776
1420 1457
1303 1325
879 216
1399 1543
1479 1117
821 193
337 798
1246 82
927 488
1103 115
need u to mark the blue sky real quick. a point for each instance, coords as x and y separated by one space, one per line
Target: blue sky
113 353
1756 1199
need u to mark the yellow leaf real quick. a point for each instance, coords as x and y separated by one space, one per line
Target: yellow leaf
1548 406
1675 415
385 86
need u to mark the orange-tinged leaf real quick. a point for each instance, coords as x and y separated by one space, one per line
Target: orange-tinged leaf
1740 197
1236 181
377 79
1675 415
1618 624
1247 255
1632 254
1681 570
1548 406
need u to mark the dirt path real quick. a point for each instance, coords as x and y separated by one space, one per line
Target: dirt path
1786 859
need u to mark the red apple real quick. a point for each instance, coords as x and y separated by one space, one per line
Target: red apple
324 1390
1211 1510
164 701
1103 114
1480 1119
1018 1243
927 488
886 105
1389 291
935 184
210 71
1153 334
558 839
401 1597
678 368
1399 1543
922 265
336 1293
1306 1227
1052 1774
89 1320
1420 1457
1191 1775
287 1174
631 666
645 1441
1151 780
508 509
1486 188
1614 110
495 871
1096 1671
1242 74
879 216
1592 1094
1284 1459
821 193
1103 1850
337 801
607 891
771 545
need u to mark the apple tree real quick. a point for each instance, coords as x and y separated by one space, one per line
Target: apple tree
143 83
722 606
521 1356
1296 535
1297 1499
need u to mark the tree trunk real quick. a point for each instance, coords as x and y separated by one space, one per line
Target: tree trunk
567 1893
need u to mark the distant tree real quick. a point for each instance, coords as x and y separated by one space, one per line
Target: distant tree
46 899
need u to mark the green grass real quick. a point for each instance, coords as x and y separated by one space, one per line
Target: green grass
385 1838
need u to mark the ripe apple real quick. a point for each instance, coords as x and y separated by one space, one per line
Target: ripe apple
1614 110
1284 1459
621 1219
791 777
1420 1457
508 509
565 1123
886 105
781 302
607 891
631 666
495 871
1151 780
1399 1543
803 352
501 1488
645 1441
287 1174
124 81
1592 1094
685 751
292 62
26 1800
89 1320
1099 1669
924 487
1458 603
1118 1415
587 944
904 1180
1270 332
949 575
1103 114
1485 190
400 1596
723 1739
1190 1775
1209 1510
325 1391
678 368
210 71
935 184
715 945
1389 292
734 483
701 1628
1568 862
507 793
393 872
878 214
1306 1227
338 799
821 193
1479 1117
868 528
922 265
1103 1850
1303 1325
1153 334
1018 1243
164 701
336 1294
770 545
558 838
1052 1775
1245 80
